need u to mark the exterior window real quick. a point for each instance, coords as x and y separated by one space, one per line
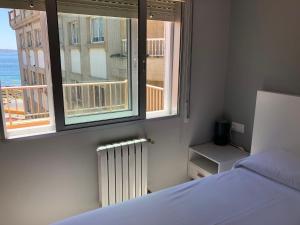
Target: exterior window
74 33
41 58
61 37
26 102
21 40
33 78
18 13
38 41
29 39
97 29
32 57
24 57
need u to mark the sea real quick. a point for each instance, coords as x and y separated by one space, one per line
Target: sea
9 68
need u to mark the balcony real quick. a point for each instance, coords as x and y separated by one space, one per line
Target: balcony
155 47
27 106
19 17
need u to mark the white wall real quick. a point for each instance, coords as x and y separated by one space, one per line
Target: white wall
264 55
98 63
51 178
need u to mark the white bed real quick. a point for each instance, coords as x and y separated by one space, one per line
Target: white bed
262 189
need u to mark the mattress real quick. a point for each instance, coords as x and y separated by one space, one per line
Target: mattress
237 197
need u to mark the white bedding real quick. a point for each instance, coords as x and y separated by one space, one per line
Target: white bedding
236 197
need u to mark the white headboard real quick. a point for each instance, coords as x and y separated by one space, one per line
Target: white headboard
276 123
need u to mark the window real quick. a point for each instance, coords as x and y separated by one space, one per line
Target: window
107 67
38 41
41 58
26 99
61 30
97 29
18 12
162 71
21 40
29 39
163 49
74 33
25 77
32 57
24 57
100 83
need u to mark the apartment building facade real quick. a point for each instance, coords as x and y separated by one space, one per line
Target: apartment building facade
89 51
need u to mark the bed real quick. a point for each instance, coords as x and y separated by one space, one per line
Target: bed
261 189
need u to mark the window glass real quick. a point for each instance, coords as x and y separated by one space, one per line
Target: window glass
100 72
74 32
97 29
25 86
163 44
38 41
29 39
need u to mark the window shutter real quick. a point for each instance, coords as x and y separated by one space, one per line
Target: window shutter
114 8
157 9
163 9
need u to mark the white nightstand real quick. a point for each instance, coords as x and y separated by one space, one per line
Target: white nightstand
208 159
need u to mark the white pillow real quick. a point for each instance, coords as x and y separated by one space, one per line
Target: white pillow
278 165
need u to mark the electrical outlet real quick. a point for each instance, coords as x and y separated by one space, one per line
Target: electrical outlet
238 127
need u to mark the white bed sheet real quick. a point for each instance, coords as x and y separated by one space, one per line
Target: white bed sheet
236 197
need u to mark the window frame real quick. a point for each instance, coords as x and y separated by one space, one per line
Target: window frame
58 98
74 31
174 71
92 31
29 39
37 37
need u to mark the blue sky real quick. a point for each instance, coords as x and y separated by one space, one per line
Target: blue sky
7 35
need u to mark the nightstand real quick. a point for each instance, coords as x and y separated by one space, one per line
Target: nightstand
208 159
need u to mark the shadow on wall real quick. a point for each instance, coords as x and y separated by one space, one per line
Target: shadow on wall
264 54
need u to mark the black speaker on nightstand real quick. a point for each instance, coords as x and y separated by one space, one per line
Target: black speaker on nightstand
222 132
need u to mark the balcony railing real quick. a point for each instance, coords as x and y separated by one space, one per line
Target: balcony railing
87 98
155 98
18 15
155 47
27 106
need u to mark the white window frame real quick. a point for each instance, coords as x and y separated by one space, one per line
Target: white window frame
74 32
92 31
171 72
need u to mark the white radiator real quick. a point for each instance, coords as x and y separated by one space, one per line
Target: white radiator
122 170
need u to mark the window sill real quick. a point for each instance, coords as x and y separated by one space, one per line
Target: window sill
53 133
96 44
22 133
158 114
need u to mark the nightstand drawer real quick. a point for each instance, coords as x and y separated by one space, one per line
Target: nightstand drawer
196 172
